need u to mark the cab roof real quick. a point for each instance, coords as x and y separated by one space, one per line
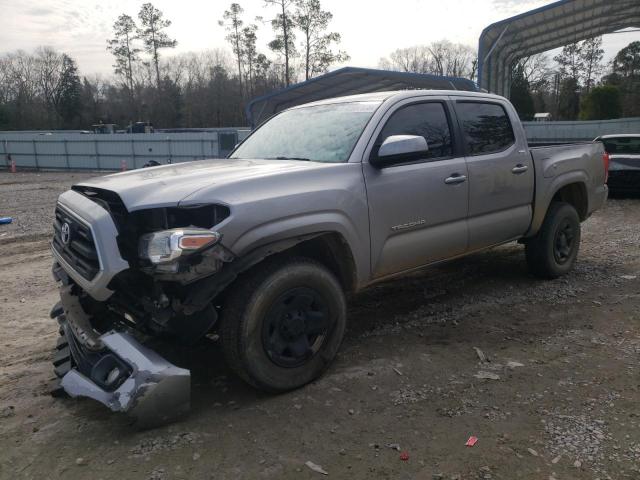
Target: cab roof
345 82
397 95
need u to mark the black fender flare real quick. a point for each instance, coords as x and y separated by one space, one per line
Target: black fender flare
205 290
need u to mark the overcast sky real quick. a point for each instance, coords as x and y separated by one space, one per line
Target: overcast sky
370 28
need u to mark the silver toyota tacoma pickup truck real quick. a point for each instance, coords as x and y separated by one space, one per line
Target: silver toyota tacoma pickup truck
263 247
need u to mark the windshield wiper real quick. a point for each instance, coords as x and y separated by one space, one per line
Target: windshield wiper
290 158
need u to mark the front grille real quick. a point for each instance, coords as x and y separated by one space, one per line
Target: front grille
79 249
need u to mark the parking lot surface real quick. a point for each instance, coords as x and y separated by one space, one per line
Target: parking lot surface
543 373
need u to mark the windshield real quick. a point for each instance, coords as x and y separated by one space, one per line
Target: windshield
321 133
622 145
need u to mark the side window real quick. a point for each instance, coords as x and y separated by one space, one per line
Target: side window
486 127
427 120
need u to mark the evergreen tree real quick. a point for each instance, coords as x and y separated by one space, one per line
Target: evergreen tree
626 76
313 22
627 61
521 95
152 34
250 51
591 54
284 43
569 99
233 24
571 61
69 98
602 103
123 48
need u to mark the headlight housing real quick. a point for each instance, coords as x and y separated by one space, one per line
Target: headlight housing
165 246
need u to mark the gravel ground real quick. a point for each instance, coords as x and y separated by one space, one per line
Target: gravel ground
544 374
29 198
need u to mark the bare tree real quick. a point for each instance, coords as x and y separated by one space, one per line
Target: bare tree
21 75
437 58
49 66
412 59
152 34
451 59
22 90
536 71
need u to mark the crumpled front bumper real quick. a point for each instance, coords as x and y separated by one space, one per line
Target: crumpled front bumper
123 374
155 392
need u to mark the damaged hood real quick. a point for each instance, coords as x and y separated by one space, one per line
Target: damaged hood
167 185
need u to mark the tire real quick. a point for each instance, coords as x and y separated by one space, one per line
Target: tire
553 251
269 314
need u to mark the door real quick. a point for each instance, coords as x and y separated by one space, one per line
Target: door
417 209
500 168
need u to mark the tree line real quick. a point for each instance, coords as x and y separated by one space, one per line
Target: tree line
438 58
579 85
44 90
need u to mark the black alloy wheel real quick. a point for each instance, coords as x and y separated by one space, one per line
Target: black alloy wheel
283 323
563 242
295 327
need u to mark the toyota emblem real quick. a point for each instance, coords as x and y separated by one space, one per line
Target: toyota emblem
65 233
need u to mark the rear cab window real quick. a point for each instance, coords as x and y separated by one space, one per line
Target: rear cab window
485 126
428 120
622 145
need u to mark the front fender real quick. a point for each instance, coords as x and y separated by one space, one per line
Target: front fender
306 224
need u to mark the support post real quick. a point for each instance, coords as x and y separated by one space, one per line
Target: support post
66 153
95 146
35 154
133 155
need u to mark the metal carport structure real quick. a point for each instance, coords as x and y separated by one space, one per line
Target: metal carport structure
545 28
347 81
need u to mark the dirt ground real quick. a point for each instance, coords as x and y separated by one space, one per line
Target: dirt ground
558 398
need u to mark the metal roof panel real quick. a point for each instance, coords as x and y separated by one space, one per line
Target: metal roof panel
348 81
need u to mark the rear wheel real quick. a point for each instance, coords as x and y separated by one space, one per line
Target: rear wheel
553 251
283 324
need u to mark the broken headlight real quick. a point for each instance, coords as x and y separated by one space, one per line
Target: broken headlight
167 245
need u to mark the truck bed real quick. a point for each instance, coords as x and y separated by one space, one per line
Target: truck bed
563 164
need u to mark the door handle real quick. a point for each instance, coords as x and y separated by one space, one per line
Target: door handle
519 169
455 178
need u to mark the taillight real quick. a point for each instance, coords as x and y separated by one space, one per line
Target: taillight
605 161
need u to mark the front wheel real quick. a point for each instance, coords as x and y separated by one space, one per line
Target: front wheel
283 324
553 251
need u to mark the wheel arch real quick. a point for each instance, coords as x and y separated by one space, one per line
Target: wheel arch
329 248
570 188
575 194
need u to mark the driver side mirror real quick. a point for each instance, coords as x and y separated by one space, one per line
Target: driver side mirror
399 149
